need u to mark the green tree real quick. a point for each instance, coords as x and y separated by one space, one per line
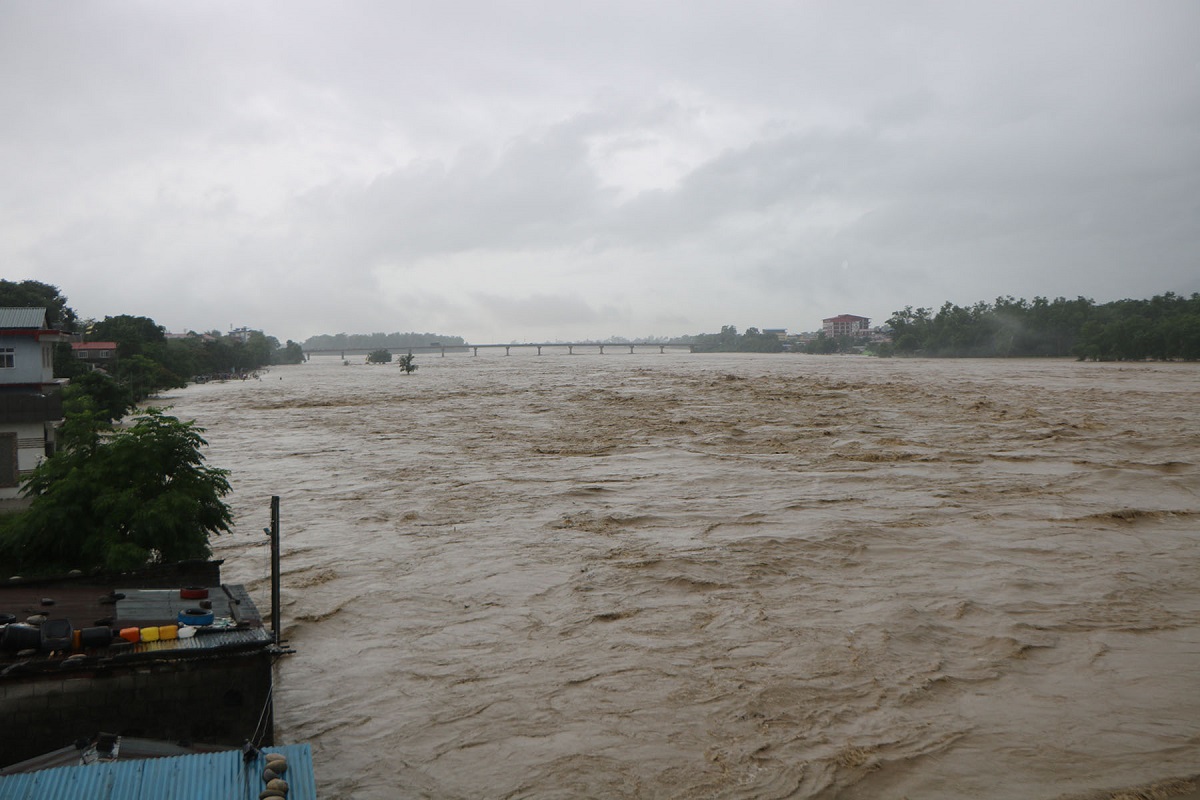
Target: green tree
291 353
142 376
381 356
108 397
822 344
132 334
119 499
35 294
406 363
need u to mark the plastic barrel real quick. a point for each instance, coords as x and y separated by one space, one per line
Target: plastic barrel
97 636
20 636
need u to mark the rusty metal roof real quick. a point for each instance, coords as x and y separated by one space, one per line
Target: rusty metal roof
204 776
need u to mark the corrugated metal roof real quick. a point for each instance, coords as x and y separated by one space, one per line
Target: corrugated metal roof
22 317
204 776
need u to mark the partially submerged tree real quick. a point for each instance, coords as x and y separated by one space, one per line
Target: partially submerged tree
380 356
118 499
406 363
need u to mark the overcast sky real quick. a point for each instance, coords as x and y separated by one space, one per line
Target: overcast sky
565 169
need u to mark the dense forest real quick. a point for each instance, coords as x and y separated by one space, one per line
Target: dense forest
1165 327
376 341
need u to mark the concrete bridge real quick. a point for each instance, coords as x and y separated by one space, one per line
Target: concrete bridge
539 347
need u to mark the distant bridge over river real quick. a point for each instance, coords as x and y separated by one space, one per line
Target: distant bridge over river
569 348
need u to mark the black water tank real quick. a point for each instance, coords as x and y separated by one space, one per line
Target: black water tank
19 636
98 636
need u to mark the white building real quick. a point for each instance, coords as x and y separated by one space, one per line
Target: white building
30 400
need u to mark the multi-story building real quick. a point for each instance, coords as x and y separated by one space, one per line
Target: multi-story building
846 325
30 400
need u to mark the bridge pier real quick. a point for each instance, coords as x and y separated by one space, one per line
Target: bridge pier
539 347
506 349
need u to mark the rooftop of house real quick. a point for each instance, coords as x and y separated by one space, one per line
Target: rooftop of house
93 345
48 627
22 318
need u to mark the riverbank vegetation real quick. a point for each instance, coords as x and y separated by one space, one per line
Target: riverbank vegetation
1165 327
121 496
117 498
729 341
147 360
380 341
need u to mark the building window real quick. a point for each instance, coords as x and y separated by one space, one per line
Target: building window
8 358
81 353
103 353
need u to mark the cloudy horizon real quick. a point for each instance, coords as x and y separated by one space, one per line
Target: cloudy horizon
522 171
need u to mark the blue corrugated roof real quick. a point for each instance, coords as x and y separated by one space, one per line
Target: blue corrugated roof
204 776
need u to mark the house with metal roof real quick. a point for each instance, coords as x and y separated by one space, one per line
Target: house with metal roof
170 654
30 400
225 775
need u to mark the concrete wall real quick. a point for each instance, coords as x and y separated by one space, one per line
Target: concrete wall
214 700
30 359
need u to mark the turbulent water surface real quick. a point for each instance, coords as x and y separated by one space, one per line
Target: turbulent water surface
673 575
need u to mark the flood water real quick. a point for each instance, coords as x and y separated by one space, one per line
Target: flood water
727 576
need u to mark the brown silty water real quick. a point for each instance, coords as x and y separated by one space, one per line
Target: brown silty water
723 576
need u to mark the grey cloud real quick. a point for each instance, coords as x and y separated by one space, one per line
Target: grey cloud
758 160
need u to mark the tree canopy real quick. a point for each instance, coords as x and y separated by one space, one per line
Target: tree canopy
728 341
35 294
380 356
118 499
1164 327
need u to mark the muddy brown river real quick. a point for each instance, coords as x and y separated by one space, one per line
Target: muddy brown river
725 576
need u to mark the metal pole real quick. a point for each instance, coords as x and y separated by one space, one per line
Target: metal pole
275 568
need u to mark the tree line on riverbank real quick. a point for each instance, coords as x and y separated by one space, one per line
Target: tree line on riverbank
147 360
1165 327
115 496
379 341
730 341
